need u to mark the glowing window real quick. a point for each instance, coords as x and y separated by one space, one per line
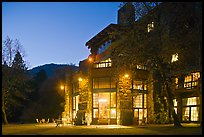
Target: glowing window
175 102
138 85
191 101
175 110
174 57
187 79
74 102
145 113
74 114
113 113
150 26
103 64
194 113
141 67
137 101
176 82
185 114
196 76
95 100
95 113
145 100
113 99
136 114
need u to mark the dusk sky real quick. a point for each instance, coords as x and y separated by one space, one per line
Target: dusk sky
56 32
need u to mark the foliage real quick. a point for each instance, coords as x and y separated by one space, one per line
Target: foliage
9 50
47 100
142 8
15 89
79 117
137 46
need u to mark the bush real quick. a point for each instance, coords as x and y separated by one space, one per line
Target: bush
126 117
79 117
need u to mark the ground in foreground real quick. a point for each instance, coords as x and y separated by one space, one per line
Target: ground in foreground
51 129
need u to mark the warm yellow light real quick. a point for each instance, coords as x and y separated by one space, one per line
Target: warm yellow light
126 75
113 111
90 59
80 79
174 57
102 100
62 87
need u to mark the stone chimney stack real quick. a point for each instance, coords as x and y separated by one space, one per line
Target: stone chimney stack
126 14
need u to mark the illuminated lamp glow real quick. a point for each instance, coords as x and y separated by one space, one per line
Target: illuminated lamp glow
90 59
80 79
126 75
62 87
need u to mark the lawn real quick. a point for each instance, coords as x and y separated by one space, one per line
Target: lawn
50 129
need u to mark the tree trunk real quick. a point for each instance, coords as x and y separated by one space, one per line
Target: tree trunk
5 121
170 100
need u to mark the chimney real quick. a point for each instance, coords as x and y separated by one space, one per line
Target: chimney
126 14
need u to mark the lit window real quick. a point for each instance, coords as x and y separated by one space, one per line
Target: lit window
176 82
196 76
194 113
175 102
186 113
191 101
137 101
113 99
95 100
150 27
103 64
74 102
145 100
141 67
137 85
113 113
190 109
95 113
187 79
174 57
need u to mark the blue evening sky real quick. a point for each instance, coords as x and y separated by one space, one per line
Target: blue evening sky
56 32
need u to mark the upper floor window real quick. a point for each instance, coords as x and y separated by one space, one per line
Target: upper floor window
104 46
191 81
140 101
176 82
103 64
139 85
174 57
141 67
105 82
150 26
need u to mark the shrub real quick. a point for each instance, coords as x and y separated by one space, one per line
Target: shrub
79 117
126 117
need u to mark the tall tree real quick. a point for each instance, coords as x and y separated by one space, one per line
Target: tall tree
9 49
14 81
137 46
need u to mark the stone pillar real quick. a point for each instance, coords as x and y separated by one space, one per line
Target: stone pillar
89 108
67 114
90 95
124 97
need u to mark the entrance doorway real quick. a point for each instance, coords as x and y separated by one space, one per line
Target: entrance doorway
103 102
104 108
